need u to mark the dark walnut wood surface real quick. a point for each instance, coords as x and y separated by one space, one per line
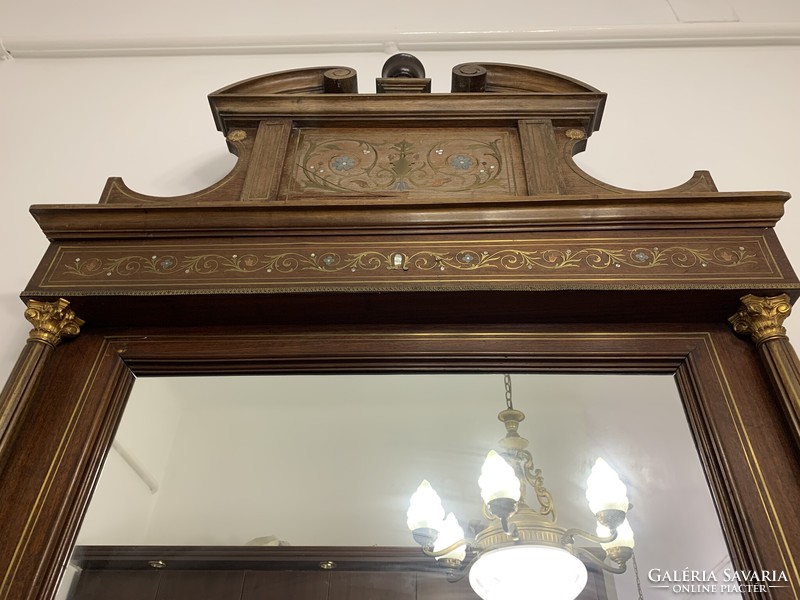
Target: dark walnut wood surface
248 573
435 233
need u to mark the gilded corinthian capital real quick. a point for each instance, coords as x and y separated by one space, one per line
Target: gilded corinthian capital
761 317
52 321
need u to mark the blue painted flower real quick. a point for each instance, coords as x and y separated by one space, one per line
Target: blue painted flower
343 163
461 162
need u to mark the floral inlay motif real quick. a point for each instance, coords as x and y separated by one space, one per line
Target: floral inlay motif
343 163
470 259
425 161
461 162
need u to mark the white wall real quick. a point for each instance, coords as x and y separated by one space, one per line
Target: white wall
134 470
68 124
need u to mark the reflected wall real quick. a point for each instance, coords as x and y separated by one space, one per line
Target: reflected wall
332 460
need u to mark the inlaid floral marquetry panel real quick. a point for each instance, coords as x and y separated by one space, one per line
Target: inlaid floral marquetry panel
655 261
383 161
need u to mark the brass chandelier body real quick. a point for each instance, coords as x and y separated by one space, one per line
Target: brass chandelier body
513 522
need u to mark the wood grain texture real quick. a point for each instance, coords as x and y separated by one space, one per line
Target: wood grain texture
264 168
537 139
726 395
389 216
410 162
208 585
504 78
18 391
278 573
783 369
570 109
280 585
119 585
619 281
388 586
227 189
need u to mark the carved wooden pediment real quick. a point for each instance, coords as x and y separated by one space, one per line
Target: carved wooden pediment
399 232
406 191
506 131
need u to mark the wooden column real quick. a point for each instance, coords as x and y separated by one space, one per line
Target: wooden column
762 319
52 322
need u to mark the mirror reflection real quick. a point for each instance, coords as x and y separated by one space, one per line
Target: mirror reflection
332 460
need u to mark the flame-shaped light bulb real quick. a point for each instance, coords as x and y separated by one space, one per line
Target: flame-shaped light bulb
605 490
450 532
425 509
498 479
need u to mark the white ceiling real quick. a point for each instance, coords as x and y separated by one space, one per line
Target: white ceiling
86 27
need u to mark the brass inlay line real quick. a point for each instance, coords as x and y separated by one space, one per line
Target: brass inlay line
765 249
464 260
749 453
511 283
361 288
44 490
467 259
446 336
333 162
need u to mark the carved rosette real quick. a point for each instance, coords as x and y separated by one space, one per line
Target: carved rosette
52 321
762 317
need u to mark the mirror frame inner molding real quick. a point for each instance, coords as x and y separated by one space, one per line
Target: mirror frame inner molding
567 274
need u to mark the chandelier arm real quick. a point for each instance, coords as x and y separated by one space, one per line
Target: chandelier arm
510 529
569 536
585 555
454 576
536 481
429 551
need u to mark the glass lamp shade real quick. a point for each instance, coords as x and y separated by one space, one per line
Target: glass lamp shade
624 537
605 490
449 533
425 509
528 573
497 479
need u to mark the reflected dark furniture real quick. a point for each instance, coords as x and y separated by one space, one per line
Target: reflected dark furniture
247 573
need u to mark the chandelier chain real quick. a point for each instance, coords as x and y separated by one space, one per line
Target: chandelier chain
507 382
636 574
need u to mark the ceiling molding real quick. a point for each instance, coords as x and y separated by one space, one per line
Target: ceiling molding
678 35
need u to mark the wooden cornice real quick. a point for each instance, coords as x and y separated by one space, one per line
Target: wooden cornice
393 215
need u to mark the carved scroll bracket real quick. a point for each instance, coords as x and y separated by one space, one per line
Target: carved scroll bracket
52 322
762 319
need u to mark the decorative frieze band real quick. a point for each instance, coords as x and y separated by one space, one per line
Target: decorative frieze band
272 263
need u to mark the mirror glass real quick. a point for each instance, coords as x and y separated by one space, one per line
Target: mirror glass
332 460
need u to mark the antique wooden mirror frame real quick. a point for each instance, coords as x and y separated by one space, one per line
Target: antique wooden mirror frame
529 265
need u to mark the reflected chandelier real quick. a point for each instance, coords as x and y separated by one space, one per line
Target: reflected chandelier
523 554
